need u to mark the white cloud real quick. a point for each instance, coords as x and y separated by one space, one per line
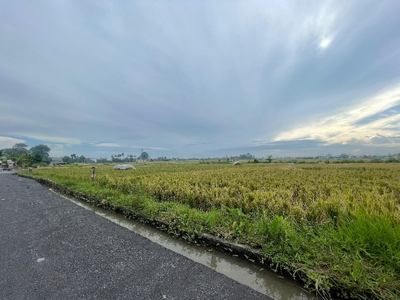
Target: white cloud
346 124
152 148
57 150
112 145
8 142
53 139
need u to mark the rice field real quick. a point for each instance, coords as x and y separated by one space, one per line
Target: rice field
334 227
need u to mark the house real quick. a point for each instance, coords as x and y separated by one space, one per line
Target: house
57 161
90 160
9 164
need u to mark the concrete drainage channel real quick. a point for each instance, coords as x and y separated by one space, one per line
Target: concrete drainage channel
246 272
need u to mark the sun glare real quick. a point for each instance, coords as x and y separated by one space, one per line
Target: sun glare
324 43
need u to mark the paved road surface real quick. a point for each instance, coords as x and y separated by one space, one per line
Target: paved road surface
51 248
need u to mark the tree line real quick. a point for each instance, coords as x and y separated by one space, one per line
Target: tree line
19 153
119 157
74 159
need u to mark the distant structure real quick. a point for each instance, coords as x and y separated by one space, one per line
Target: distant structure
89 160
57 161
8 164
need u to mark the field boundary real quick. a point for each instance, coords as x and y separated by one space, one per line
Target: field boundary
204 238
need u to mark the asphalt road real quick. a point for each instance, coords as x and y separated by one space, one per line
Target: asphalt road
50 248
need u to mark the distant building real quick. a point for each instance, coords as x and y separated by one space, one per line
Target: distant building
89 160
57 161
9 164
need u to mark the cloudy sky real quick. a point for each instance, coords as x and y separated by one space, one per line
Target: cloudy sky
201 78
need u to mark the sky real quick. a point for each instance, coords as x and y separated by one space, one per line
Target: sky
201 78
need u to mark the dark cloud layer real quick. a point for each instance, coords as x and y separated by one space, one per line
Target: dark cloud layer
199 78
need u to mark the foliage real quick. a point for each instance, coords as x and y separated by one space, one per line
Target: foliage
16 150
243 156
122 158
144 155
67 159
41 151
26 158
102 160
19 148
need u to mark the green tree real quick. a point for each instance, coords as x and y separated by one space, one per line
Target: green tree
67 159
144 155
129 157
28 159
42 151
19 149
116 157
269 158
245 156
